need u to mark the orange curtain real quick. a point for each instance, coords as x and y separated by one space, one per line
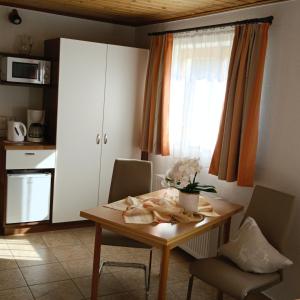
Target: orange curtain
235 152
155 130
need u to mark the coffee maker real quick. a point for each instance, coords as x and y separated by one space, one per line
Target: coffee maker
35 125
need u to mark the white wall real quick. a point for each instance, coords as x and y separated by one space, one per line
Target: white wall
41 26
278 160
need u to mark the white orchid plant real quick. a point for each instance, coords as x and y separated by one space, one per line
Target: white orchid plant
182 176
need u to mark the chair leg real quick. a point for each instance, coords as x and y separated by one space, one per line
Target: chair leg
149 272
101 266
220 295
190 288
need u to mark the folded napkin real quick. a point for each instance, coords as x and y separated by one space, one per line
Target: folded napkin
159 210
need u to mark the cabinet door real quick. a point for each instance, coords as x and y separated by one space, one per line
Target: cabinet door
79 122
124 97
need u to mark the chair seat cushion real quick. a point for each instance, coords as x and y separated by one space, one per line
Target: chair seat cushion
224 275
113 239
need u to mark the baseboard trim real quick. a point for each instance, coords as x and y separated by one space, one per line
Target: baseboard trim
25 228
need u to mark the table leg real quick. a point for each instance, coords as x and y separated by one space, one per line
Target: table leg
96 262
164 268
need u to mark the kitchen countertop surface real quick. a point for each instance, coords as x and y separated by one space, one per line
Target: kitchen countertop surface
27 146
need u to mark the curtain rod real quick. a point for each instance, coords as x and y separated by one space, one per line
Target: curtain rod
248 21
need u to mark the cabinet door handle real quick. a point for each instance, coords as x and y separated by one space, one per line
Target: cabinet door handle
29 153
105 139
98 139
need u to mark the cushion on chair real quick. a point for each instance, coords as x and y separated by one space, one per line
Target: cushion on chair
224 275
113 239
251 251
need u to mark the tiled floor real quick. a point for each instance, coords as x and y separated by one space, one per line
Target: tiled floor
58 265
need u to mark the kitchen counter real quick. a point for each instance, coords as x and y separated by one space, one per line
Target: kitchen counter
26 146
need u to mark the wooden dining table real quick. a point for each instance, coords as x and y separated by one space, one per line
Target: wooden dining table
165 236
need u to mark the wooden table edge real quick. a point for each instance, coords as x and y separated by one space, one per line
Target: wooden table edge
156 241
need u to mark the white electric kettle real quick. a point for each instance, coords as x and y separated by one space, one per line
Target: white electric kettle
16 131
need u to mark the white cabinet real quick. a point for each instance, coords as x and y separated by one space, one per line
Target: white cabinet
100 92
124 94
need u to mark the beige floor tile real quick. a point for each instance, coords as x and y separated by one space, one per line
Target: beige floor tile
124 254
156 255
85 235
5 253
33 257
89 247
62 290
75 252
7 263
3 246
25 247
155 268
60 238
108 285
7 260
22 293
131 279
78 268
201 290
178 272
25 242
115 252
10 279
117 269
141 295
85 229
44 273
49 279
138 252
226 297
120 296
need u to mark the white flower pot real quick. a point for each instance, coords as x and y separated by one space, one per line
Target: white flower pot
189 201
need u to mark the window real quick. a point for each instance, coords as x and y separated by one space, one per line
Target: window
199 70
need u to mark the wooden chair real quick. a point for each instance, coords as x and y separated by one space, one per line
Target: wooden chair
272 210
130 178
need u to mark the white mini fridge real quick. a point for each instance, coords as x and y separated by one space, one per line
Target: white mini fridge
28 197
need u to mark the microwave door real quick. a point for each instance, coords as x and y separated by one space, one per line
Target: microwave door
23 70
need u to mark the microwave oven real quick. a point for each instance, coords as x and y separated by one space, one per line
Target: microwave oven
25 70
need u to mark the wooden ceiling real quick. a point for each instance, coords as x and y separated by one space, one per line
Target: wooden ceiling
134 12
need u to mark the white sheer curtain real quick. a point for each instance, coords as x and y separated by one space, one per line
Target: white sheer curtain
200 63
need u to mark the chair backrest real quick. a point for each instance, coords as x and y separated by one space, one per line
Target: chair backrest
130 177
272 210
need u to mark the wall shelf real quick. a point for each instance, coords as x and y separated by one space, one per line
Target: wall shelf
21 55
23 84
